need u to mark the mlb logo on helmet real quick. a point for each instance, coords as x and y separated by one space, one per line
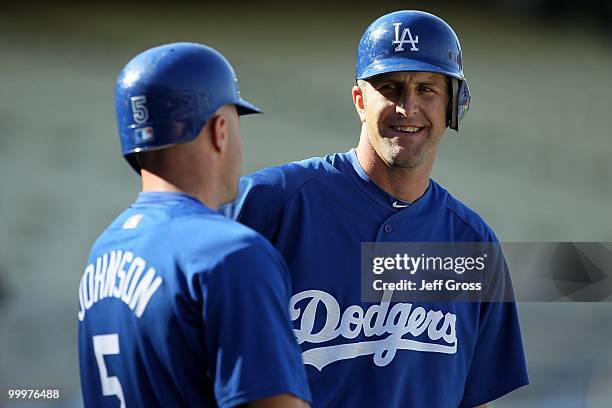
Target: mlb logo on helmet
143 135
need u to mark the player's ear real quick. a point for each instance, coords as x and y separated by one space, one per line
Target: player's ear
359 101
218 132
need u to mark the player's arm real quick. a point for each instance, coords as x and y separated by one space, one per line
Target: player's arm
251 345
498 362
280 401
482 406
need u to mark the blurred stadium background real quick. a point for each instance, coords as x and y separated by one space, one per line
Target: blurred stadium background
534 155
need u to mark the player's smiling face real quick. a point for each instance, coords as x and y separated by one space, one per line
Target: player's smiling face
404 114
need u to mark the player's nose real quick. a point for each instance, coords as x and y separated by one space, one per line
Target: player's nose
408 103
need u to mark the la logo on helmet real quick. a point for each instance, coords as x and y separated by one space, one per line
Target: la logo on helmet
401 41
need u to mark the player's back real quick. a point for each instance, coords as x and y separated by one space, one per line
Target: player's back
152 302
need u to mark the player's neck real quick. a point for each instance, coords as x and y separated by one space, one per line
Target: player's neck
407 184
198 189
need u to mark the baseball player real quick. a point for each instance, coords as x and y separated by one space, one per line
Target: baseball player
180 306
409 88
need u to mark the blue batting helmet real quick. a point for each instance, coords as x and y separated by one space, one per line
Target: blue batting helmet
411 40
166 94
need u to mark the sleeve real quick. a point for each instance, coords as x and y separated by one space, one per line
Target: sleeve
498 362
250 342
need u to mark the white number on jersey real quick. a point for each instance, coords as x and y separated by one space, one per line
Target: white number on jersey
107 344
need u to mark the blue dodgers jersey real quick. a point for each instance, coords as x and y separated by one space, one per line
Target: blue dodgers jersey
179 306
317 212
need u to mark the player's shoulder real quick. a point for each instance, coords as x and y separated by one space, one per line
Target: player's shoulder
227 251
468 217
215 234
291 176
269 189
184 227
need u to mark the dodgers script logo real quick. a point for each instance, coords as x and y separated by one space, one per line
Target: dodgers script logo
413 41
402 320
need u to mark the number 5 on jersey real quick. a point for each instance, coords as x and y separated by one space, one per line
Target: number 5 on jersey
106 344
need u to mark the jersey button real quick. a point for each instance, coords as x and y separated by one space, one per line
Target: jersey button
388 228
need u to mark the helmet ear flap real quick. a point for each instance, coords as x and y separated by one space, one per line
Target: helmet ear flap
463 100
459 103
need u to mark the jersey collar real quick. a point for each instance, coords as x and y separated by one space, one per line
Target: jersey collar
353 170
168 198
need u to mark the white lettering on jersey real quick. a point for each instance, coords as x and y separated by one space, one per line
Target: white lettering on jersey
378 320
118 274
401 41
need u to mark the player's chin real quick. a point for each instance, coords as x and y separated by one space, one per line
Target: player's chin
407 146
405 156
404 148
